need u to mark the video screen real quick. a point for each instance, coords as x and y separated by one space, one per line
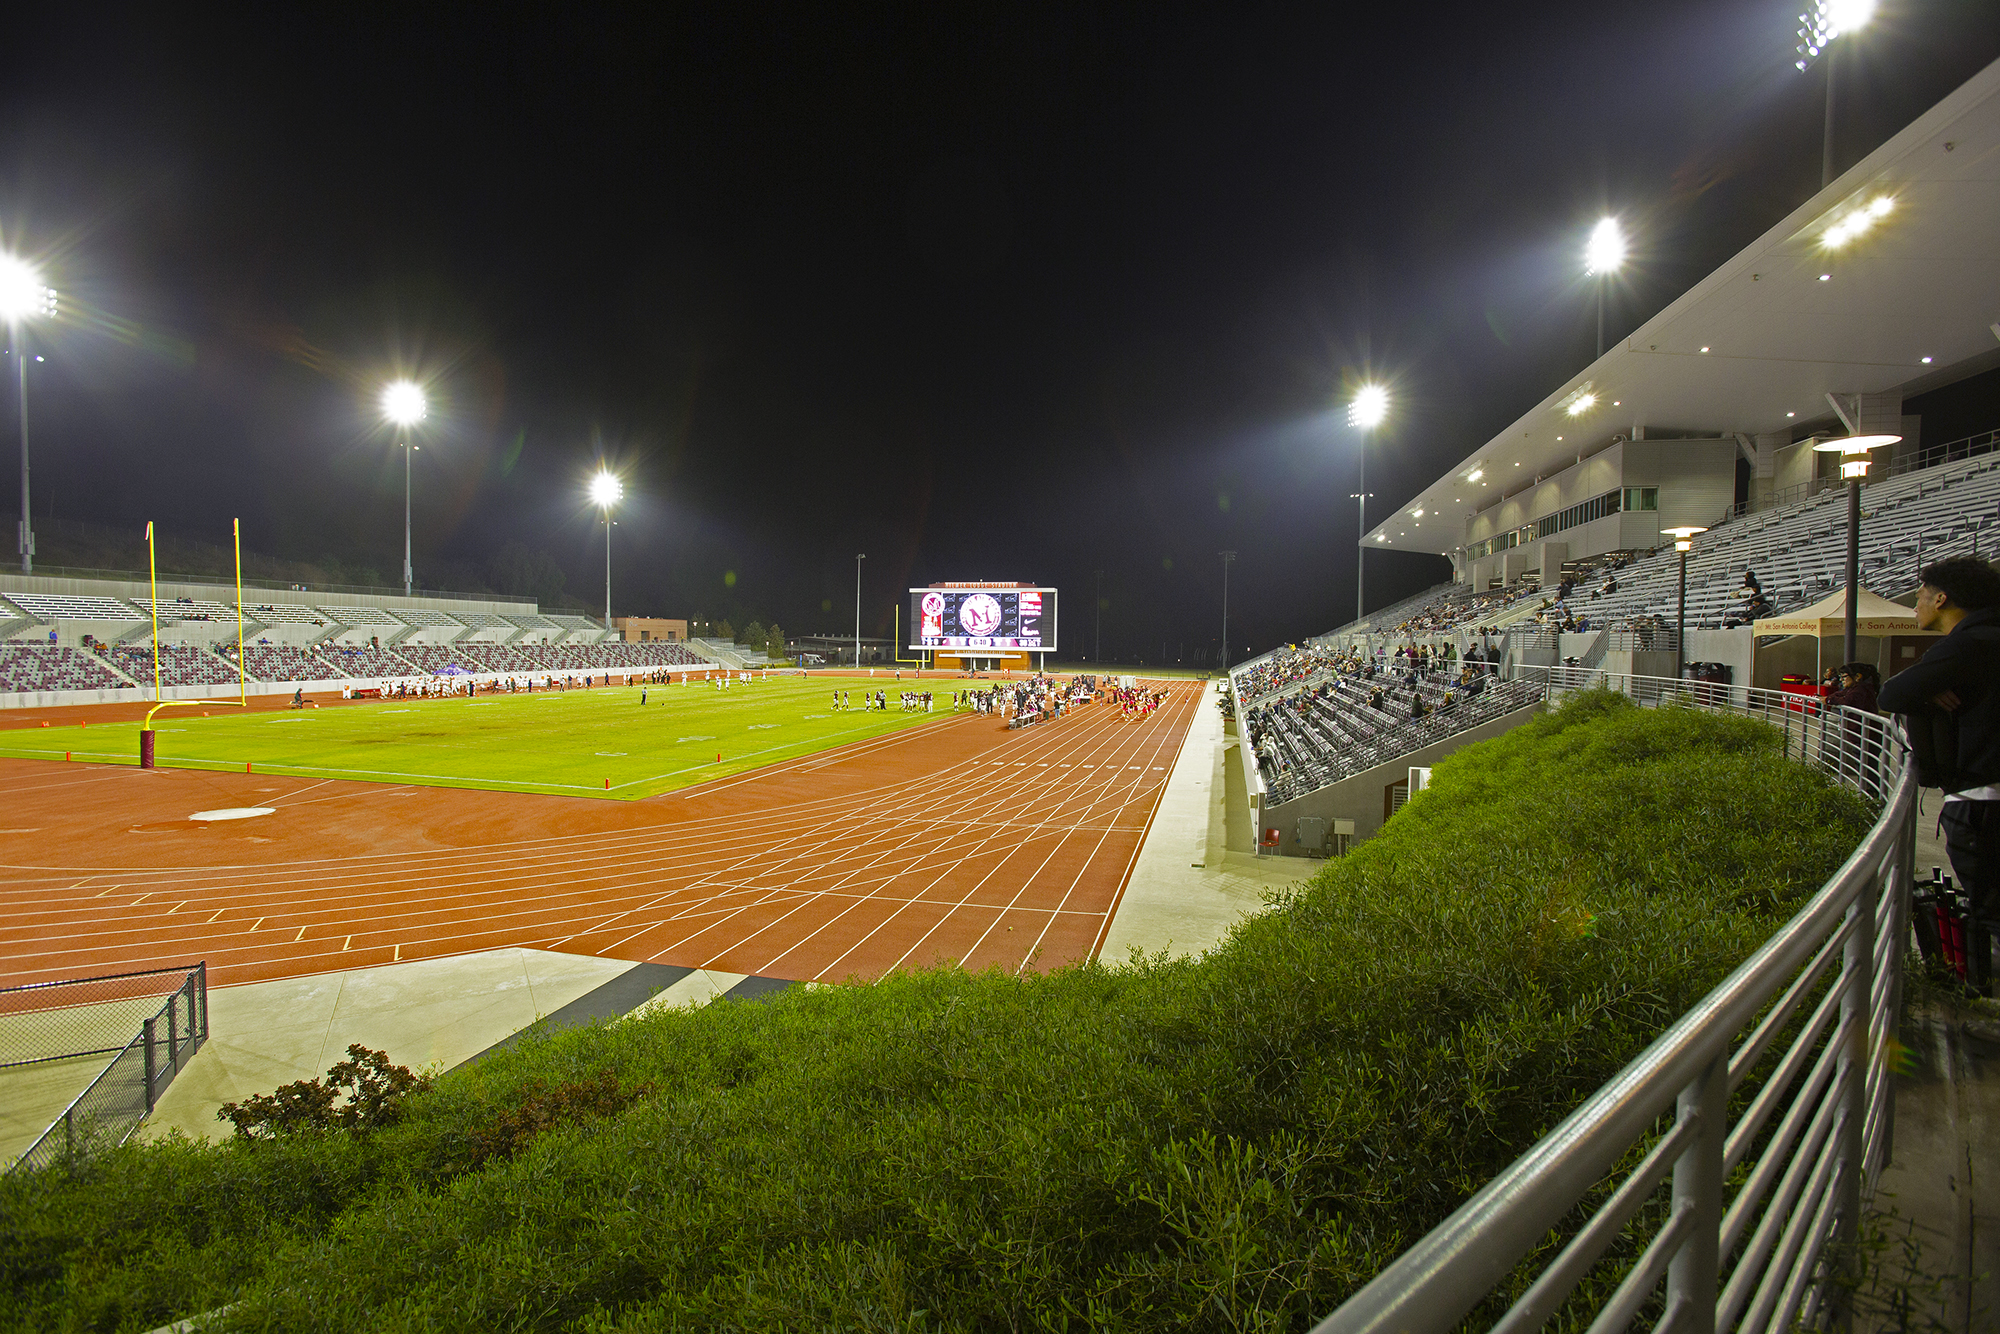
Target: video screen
983 618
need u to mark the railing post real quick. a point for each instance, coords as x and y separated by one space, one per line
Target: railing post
1857 987
1692 1282
173 1038
147 1041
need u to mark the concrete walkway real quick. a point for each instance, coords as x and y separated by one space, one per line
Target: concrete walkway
1198 872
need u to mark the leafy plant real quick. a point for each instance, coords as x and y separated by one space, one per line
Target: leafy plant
374 1091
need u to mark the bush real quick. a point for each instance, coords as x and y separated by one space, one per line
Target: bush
1235 1142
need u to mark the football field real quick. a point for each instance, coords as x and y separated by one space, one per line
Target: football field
592 742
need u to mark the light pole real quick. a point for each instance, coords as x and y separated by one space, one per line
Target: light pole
23 297
1602 256
1227 558
1829 20
403 404
1853 451
857 608
1683 543
1365 413
1097 649
606 491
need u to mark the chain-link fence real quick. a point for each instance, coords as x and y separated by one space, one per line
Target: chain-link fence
96 1016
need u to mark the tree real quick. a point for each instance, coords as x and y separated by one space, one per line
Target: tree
527 572
721 630
753 635
774 643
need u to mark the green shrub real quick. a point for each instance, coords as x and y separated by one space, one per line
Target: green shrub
1235 1142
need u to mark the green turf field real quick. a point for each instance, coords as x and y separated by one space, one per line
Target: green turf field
567 742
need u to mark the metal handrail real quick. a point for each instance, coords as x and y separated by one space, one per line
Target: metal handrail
1803 1193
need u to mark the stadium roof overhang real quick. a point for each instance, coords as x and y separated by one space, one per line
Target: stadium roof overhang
1756 347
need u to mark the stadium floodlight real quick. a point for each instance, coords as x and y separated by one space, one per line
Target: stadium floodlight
403 403
23 297
605 491
1605 251
1368 410
1370 406
1853 451
1683 543
404 406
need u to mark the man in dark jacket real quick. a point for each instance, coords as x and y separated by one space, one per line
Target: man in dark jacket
1952 699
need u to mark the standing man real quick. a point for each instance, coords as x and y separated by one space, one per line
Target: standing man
1951 697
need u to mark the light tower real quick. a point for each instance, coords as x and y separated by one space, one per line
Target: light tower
1227 558
1368 410
23 297
1826 22
605 491
1603 256
403 404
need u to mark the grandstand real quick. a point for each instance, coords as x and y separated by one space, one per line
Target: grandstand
90 641
1554 527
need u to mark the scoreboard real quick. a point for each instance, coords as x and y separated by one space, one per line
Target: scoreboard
972 619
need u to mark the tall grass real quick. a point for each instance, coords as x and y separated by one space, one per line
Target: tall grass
1231 1143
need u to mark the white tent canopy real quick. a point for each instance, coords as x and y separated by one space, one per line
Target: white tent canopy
1828 617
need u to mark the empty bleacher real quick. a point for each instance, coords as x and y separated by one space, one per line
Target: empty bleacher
74 607
180 664
281 662
363 617
36 667
1322 734
186 609
288 613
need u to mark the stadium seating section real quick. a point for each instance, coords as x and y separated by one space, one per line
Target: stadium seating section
27 667
1349 721
1307 708
1798 553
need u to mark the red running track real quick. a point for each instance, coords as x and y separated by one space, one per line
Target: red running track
958 841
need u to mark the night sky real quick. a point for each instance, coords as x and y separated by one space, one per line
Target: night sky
983 292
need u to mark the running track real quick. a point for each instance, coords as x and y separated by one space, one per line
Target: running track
957 841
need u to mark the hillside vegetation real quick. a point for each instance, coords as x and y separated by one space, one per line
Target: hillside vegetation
1229 1143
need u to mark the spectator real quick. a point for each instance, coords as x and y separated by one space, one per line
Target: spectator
1951 697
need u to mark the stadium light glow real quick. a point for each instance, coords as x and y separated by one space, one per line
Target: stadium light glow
605 491
23 297
23 294
1856 221
1582 404
1369 408
1605 251
403 403
1829 19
